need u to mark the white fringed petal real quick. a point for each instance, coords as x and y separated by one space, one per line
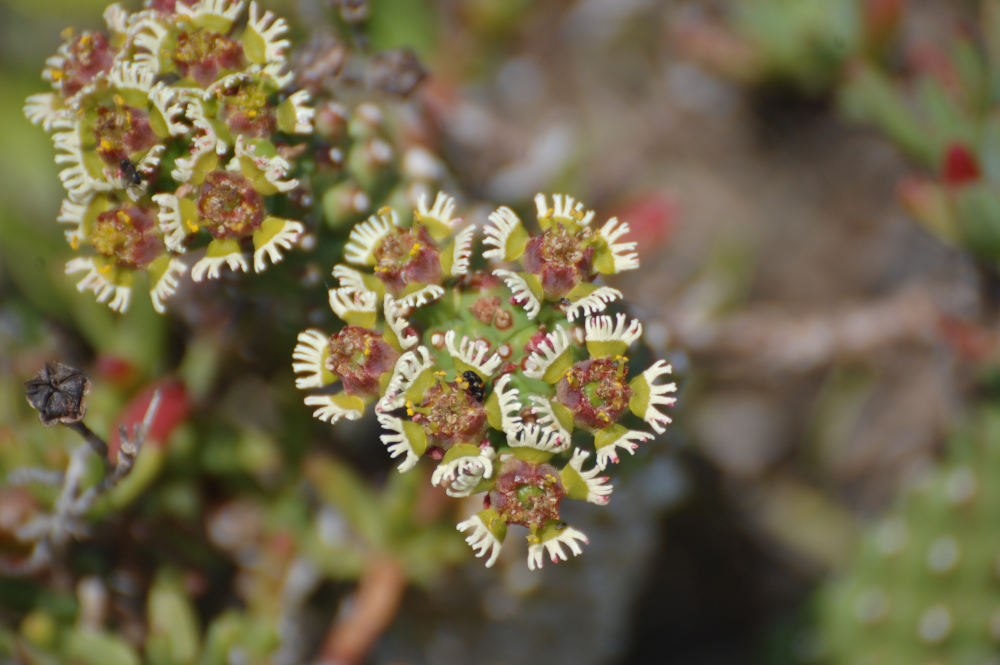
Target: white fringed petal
209 266
623 253
116 18
462 252
659 396
408 367
564 207
148 37
601 329
629 442
520 290
72 213
328 410
473 352
270 28
509 403
598 488
283 239
349 278
131 76
481 540
303 112
549 349
546 417
595 302
366 236
568 536
310 352
167 284
396 442
225 9
203 143
345 300
395 318
274 168
171 108
501 225
462 475
117 296
44 109
421 297
171 225
75 177
537 437
441 212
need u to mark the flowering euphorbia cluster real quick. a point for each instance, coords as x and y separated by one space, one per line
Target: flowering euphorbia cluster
514 379
172 132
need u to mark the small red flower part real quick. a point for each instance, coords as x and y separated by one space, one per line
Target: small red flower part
595 391
359 357
526 493
960 166
405 257
203 55
79 61
229 204
121 132
129 234
450 414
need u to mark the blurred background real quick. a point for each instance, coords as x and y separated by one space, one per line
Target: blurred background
814 187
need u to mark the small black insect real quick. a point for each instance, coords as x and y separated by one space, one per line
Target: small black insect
476 386
130 174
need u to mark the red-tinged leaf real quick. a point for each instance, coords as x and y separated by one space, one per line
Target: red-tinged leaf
115 369
173 410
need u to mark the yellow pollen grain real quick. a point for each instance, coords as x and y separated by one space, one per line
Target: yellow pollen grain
604 417
56 74
74 243
104 269
119 100
409 408
86 40
416 248
191 225
105 144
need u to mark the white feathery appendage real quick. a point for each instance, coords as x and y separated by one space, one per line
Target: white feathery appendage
303 112
116 18
624 254
660 395
538 437
345 300
629 441
171 225
568 536
166 101
601 329
396 441
148 36
546 417
460 476
462 252
520 290
597 301
549 349
131 75
227 9
349 278
441 211
408 367
421 297
365 236
481 540
284 239
598 487
310 354
473 352
563 207
75 177
395 318
205 141
210 266
72 213
44 110
167 284
329 411
274 168
117 296
509 403
502 223
270 28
